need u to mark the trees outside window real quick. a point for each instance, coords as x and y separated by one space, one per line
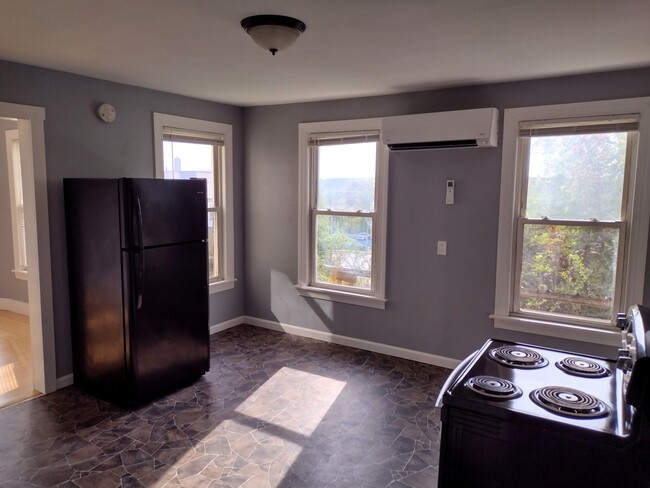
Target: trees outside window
573 222
343 182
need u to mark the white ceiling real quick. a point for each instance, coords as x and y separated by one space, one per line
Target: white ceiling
351 48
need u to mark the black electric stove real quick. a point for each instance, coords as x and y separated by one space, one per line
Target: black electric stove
522 415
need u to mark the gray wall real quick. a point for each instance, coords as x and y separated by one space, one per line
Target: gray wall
437 304
10 286
78 144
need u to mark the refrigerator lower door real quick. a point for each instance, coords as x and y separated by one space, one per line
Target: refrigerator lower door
168 326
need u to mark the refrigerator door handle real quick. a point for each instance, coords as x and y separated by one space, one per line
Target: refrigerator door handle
140 276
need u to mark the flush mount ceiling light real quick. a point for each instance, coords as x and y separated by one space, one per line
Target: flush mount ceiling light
273 32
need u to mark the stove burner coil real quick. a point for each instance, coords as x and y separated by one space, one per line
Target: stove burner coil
583 367
518 357
569 402
493 387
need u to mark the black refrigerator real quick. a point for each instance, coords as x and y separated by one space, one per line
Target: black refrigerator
137 272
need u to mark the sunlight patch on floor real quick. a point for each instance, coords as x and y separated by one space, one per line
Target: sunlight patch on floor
8 381
293 399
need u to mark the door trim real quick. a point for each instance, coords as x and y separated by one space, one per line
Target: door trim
39 281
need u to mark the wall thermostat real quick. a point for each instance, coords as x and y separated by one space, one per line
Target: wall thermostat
449 196
106 112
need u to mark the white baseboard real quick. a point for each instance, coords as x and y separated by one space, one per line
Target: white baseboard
399 352
226 325
14 306
63 381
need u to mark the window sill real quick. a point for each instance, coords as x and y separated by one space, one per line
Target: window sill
607 337
21 275
341 296
224 285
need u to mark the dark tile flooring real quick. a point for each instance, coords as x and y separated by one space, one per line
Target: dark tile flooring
274 411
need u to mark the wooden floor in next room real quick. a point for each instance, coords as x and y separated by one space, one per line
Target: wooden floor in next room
16 382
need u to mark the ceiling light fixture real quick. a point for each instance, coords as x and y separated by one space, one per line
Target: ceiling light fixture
273 32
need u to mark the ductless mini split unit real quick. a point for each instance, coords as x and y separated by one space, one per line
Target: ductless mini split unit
460 128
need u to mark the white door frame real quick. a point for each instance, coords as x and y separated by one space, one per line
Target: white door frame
39 280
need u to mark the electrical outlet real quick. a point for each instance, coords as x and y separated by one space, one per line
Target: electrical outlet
442 248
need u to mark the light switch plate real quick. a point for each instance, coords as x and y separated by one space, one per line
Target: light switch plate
442 248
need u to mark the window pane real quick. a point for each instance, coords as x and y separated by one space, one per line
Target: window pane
576 177
21 230
569 270
346 177
344 250
213 245
185 160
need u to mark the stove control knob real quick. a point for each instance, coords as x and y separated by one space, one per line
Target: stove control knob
624 363
621 321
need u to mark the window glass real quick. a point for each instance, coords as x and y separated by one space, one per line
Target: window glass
345 182
569 270
185 160
346 177
194 148
569 266
343 175
344 250
18 230
574 218
576 177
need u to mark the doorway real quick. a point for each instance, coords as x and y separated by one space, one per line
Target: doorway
39 334
16 374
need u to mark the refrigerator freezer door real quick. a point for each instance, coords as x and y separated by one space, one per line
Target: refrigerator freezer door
169 322
162 212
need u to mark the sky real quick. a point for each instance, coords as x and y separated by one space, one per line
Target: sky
347 161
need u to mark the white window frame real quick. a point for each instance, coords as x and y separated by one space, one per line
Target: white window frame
225 191
638 208
18 230
376 298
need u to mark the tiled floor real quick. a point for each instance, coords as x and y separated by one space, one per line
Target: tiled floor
274 411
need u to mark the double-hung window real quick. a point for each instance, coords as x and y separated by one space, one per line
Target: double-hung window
190 148
342 225
17 207
574 219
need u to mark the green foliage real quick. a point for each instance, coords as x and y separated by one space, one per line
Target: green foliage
577 177
335 246
574 266
572 269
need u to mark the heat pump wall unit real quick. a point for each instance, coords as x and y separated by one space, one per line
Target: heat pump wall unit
460 128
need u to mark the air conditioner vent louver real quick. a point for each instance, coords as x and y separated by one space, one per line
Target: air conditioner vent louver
461 128
411 146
